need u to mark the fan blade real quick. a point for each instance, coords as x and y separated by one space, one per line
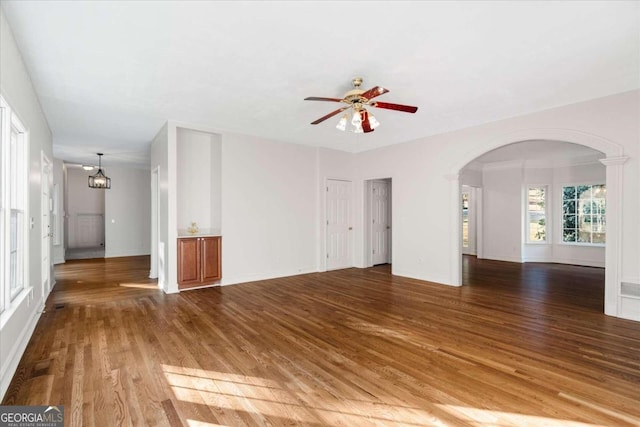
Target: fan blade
328 116
366 126
319 98
397 107
373 92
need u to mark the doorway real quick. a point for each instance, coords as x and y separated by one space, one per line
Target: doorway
339 229
470 204
86 216
378 217
606 152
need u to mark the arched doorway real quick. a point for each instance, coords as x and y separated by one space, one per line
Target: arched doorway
613 159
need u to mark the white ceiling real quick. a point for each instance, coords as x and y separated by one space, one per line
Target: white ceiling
109 74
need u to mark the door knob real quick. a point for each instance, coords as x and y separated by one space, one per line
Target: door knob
388 227
350 228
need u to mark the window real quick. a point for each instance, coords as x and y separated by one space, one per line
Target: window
537 214
584 214
13 204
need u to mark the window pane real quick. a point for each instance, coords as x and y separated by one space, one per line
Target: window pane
569 221
569 193
536 212
569 207
16 253
569 236
599 191
584 236
583 191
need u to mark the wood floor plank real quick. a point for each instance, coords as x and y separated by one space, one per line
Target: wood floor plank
518 344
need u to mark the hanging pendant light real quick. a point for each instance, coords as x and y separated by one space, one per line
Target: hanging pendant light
99 180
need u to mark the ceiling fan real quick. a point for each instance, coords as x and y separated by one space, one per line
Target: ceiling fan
356 100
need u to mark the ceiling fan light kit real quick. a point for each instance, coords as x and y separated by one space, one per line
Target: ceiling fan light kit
362 121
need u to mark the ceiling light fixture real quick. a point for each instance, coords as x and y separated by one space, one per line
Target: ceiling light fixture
87 167
99 180
356 99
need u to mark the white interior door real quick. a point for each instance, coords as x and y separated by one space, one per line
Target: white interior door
380 222
339 228
46 234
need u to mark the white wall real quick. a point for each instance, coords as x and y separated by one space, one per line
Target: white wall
502 213
81 200
18 322
471 177
269 209
127 212
199 180
160 160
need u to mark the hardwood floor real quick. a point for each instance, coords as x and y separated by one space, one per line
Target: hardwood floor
517 345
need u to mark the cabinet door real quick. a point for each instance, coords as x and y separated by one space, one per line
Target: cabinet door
211 262
188 261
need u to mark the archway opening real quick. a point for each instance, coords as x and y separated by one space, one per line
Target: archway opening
613 159
539 205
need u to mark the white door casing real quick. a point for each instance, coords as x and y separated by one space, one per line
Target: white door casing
380 222
338 223
46 232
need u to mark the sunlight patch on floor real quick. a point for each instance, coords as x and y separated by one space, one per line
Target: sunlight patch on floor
139 285
264 398
261 399
483 417
194 423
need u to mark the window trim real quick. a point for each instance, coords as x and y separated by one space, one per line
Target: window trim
10 300
547 207
603 182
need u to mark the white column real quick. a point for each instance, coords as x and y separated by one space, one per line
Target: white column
613 252
455 262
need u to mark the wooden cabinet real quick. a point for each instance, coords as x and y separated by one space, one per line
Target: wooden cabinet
199 261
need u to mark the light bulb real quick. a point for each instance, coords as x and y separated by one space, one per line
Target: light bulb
342 124
356 120
373 122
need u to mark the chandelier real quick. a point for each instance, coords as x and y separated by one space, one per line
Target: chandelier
99 180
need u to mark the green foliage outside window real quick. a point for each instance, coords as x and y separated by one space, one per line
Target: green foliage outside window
584 214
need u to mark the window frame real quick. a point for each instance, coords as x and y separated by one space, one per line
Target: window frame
527 226
590 184
9 121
